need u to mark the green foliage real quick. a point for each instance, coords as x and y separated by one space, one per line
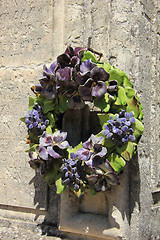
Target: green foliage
103 118
23 119
63 104
31 103
48 105
32 148
89 55
59 185
117 162
51 119
102 103
126 151
138 129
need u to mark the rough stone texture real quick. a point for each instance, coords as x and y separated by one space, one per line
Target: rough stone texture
33 33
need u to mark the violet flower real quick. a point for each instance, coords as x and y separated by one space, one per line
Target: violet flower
51 145
67 61
101 179
92 152
93 80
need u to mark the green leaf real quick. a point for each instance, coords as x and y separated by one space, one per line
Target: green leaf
89 55
51 119
40 99
103 118
60 186
133 104
63 103
117 162
23 119
49 129
48 105
127 150
32 148
105 65
92 191
116 74
126 82
138 128
51 175
130 92
102 103
108 143
118 102
31 102
122 95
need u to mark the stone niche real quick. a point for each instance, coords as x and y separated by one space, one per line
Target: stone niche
105 215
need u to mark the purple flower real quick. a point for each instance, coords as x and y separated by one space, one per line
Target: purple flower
35 118
119 128
51 145
48 84
92 80
73 172
66 62
103 177
92 152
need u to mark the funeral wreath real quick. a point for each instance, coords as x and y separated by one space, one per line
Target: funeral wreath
74 79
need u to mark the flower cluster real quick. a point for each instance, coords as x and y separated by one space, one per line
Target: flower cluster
35 118
73 172
75 78
68 77
119 129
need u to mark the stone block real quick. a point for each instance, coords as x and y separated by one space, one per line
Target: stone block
104 216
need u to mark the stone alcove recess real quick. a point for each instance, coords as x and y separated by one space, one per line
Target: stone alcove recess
105 215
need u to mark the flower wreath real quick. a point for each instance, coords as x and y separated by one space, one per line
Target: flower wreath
73 80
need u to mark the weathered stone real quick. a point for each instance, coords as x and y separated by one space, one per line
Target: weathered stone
35 32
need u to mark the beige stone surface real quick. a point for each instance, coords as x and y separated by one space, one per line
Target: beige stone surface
34 32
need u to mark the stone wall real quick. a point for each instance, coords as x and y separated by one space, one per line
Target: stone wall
33 33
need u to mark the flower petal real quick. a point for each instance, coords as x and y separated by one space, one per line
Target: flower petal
87 66
64 74
52 153
99 74
83 154
46 139
100 89
63 145
112 178
43 153
63 60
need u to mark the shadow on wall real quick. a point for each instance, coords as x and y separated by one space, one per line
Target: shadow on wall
134 185
46 198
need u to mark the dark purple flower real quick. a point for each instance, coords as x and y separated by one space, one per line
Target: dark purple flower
95 85
71 93
48 84
66 62
103 177
113 86
92 152
50 72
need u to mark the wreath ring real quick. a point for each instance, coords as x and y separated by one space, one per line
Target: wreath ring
75 79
